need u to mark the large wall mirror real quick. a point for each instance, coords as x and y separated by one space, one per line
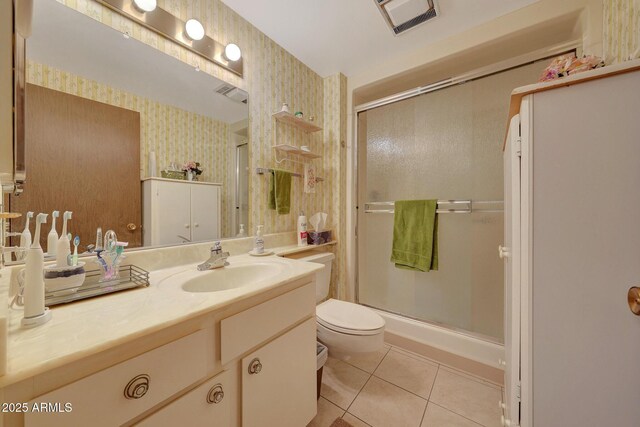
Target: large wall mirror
110 125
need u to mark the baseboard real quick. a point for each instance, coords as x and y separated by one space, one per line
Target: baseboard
486 372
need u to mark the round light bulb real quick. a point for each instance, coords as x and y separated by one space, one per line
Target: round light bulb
232 52
195 30
146 5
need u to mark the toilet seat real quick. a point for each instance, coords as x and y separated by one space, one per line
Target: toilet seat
349 318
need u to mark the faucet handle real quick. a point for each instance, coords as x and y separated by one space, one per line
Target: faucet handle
217 247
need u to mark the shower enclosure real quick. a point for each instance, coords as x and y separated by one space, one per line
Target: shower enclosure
446 145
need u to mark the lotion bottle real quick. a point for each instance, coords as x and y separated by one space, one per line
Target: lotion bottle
52 237
258 242
64 245
35 313
302 230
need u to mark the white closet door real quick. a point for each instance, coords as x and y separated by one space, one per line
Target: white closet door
172 213
205 212
510 253
586 254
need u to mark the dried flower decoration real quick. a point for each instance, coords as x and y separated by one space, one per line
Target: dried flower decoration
567 65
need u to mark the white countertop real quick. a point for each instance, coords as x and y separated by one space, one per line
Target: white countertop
84 328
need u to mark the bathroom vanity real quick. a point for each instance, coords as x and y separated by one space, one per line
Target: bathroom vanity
235 345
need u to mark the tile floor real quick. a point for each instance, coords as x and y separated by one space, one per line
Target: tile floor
397 388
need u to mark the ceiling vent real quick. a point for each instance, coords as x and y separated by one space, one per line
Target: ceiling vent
233 93
402 15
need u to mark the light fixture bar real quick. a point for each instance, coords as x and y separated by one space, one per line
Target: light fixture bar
165 24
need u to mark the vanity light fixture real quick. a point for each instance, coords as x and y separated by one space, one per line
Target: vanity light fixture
190 34
194 29
232 52
146 5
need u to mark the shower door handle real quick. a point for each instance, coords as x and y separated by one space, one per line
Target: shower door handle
504 252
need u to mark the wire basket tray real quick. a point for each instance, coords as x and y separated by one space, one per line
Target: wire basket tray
130 276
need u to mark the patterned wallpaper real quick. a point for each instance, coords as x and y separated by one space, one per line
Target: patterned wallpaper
271 76
335 136
174 134
621 29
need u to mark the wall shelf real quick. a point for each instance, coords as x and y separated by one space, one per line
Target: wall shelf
288 118
290 149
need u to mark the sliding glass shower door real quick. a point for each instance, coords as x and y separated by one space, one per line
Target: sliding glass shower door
443 145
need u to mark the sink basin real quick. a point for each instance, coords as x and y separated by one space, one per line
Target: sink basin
232 277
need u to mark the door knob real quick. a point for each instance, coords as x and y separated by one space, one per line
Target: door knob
137 387
255 366
216 394
633 299
503 252
131 226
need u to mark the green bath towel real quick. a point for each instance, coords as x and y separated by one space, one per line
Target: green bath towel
280 191
415 235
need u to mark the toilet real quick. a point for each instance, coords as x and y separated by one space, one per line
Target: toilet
344 327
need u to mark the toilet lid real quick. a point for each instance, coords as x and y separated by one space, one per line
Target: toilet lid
348 317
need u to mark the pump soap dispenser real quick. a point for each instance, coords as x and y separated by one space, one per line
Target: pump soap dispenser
35 313
64 245
52 237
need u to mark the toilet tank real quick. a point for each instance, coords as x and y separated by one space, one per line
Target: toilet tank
323 277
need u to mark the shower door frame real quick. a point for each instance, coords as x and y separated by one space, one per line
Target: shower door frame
540 55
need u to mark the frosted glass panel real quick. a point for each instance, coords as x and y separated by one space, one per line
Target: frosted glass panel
442 145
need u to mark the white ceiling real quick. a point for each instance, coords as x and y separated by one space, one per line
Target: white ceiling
349 36
70 41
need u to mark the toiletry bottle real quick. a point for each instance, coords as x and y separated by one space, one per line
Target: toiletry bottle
25 238
52 237
242 232
302 230
35 312
258 243
64 245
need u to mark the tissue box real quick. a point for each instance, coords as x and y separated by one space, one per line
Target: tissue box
318 237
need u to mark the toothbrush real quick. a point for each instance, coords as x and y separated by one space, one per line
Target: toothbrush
63 249
25 238
35 312
119 251
74 259
101 260
52 238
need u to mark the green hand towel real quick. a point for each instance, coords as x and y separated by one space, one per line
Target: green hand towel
280 191
415 235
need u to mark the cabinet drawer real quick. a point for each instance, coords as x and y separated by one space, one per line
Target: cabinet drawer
120 393
251 327
202 406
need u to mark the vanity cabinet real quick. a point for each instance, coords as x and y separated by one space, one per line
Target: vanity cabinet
252 365
279 380
177 211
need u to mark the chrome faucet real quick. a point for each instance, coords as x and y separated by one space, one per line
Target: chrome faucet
218 259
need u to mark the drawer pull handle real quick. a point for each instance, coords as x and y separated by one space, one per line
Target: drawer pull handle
255 366
216 394
137 387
